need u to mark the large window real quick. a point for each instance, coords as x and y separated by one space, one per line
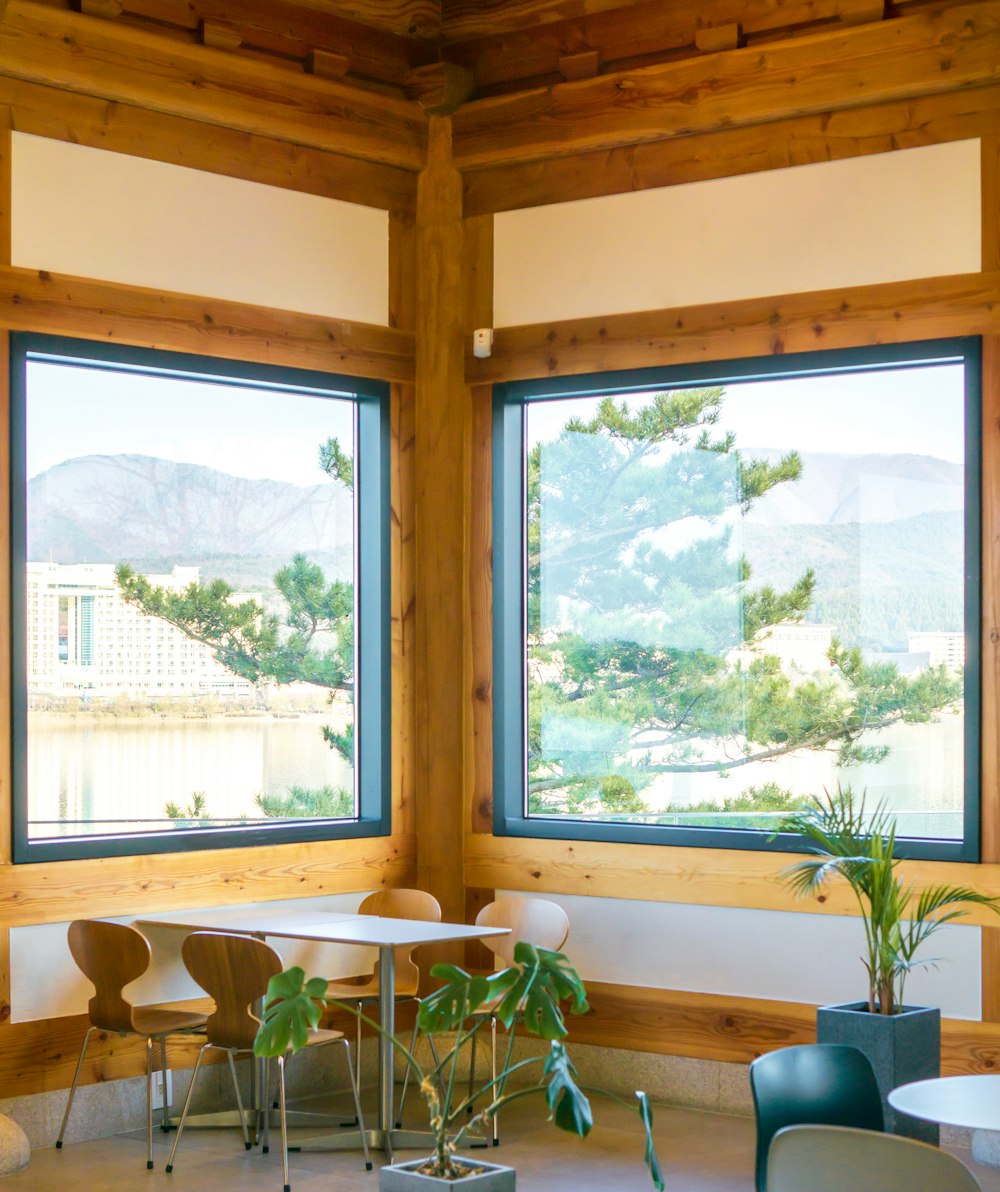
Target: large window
721 590
200 602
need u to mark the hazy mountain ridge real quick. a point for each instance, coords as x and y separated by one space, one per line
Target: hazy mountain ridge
114 508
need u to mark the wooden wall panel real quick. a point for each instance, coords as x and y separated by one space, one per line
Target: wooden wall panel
905 58
797 141
104 124
109 61
891 312
109 311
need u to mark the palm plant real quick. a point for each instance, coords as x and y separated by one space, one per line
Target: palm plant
531 991
860 847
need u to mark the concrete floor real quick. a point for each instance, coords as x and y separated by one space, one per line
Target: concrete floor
699 1152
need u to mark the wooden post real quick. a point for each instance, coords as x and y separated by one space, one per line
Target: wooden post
441 466
6 235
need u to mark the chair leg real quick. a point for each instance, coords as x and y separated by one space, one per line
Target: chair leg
72 1087
239 1101
472 1070
284 1121
149 1102
187 1105
357 1057
165 1107
406 1081
265 1136
357 1106
496 1090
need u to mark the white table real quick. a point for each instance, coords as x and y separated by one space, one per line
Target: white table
969 1101
335 928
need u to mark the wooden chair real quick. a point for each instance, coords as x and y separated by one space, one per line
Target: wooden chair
832 1158
534 920
828 1084
387 904
235 970
111 956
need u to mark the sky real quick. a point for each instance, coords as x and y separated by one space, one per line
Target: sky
903 410
259 434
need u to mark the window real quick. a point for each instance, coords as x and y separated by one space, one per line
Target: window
200 602
722 589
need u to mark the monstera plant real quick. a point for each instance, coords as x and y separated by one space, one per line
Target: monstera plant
531 991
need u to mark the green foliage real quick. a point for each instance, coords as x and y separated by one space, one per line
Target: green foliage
326 802
531 990
197 808
649 631
618 794
860 847
336 463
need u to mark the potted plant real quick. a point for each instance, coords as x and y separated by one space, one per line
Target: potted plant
530 991
902 1042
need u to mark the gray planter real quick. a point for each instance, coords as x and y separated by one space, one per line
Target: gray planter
901 1047
403 1177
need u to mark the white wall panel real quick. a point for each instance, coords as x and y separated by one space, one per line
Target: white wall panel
91 213
887 217
45 982
759 954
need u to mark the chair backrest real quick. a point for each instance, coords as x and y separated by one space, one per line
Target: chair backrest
535 920
234 971
110 955
403 904
827 1084
832 1158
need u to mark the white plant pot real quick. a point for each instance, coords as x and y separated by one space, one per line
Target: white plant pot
404 1177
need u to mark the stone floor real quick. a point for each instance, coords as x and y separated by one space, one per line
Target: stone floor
699 1152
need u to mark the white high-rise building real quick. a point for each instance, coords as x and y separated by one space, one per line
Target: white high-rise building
84 639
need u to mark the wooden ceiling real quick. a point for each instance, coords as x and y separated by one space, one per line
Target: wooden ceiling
445 53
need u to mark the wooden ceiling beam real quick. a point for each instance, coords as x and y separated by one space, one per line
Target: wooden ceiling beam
905 58
507 54
111 61
101 124
800 140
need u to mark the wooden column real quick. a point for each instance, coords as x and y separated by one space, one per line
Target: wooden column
990 702
5 761
441 466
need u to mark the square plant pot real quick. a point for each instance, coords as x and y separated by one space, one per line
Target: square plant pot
486 1177
900 1047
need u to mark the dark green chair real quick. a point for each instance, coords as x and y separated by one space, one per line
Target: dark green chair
818 1084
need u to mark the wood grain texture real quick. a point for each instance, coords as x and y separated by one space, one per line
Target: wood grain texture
696 876
737 1030
441 456
991 975
39 301
57 891
800 140
905 58
402 314
891 312
112 61
990 182
103 124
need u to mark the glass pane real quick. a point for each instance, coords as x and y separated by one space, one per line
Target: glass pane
740 596
189 607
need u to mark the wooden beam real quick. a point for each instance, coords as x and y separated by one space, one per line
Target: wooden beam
442 422
737 1030
798 141
221 35
440 87
712 39
583 65
327 65
891 312
115 62
57 891
905 58
102 124
51 302
696 876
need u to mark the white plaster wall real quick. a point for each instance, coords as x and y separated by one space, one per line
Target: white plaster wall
887 217
91 213
45 982
760 954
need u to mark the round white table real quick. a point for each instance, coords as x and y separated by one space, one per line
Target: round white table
969 1101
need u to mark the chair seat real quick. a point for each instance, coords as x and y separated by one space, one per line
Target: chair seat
323 1035
347 991
153 1020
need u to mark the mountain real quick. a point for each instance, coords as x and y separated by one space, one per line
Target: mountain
836 488
156 512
